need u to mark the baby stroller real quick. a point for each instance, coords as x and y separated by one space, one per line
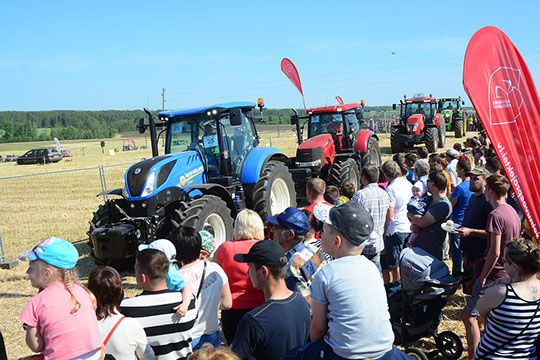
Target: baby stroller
416 307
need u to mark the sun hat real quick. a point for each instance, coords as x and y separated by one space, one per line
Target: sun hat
291 219
479 171
208 242
53 251
162 245
264 252
351 219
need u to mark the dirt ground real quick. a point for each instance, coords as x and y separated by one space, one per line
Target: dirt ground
58 199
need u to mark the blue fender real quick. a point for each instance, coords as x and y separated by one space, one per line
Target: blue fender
254 163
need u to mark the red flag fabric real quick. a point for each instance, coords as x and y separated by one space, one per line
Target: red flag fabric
290 71
340 100
500 87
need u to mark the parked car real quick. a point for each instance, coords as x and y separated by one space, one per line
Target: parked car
9 158
39 156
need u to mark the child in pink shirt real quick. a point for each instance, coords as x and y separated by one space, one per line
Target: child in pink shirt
60 320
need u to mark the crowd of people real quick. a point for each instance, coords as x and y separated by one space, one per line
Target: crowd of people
306 283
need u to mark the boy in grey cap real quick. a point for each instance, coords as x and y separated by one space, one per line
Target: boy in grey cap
350 311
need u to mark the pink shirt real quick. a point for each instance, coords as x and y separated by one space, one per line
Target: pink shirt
65 335
244 295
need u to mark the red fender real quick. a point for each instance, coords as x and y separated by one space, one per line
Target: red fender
362 140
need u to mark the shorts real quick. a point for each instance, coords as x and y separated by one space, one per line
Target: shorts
472 268
477 293
212 338
393 244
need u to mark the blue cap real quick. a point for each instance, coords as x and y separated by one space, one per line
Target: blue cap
53 251
291 219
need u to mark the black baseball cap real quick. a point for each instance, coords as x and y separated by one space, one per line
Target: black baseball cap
351 219
264 252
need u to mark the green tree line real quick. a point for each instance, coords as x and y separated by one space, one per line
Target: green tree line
18 126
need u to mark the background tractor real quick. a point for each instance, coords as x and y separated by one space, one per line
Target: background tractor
418 123
453 115
338 144
212 168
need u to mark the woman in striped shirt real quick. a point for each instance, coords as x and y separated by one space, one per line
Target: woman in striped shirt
512 309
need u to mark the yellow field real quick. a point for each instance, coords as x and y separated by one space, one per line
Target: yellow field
48 203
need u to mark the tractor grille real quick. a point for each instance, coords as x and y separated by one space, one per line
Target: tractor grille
309 155
135 182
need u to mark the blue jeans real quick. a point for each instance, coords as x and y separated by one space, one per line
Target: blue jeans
321 350
212 338
455 252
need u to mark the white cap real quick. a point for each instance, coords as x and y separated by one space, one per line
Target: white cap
163 245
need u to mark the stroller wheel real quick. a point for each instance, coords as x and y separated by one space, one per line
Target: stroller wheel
416 353
449 345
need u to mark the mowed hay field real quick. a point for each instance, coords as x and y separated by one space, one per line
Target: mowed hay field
58 199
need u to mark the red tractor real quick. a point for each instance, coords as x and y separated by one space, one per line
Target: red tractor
338 144
419 123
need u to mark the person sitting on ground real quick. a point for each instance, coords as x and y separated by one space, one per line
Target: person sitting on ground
289 230
349 305
60 320
428 226
174 280
210 284
282 321
332 195
168 334
248 230
513 324
123 338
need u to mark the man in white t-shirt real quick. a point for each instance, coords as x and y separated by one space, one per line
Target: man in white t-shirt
452 156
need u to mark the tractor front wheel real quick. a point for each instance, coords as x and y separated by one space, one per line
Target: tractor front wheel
442 135
458 129
274 192
432 138
395 142
373 154
209 213
343 171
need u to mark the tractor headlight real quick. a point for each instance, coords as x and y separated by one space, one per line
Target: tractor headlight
317 162
447 116
149 187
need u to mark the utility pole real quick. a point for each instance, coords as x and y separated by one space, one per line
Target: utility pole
163 99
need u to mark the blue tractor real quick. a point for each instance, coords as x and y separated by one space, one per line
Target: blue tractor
212 168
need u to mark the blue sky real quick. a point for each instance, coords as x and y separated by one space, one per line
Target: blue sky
101 55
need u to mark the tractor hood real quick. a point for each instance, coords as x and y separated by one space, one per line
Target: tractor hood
447 114
313 151
148 177
415 124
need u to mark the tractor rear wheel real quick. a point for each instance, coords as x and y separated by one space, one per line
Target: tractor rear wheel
343 171
209 213
274 192
458 128
395 143
373 154
442 135
432 138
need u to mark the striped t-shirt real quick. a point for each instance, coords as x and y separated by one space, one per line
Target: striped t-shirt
504 336
168 334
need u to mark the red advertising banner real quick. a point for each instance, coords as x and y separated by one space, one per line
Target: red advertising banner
290 71
500 87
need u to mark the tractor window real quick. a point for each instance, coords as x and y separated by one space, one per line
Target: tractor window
418 108
238 141
448 105
324 123
183 136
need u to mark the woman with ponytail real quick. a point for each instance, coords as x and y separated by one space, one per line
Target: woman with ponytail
59 321
513 309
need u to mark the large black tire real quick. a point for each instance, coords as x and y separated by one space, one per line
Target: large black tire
274 192
208 213
373 154
343 171
416 354
449 345
458 128
395 144
432 138
442 135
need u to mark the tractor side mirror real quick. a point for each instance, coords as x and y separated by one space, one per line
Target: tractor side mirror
294 119
394 107
141 127
462 102
235 117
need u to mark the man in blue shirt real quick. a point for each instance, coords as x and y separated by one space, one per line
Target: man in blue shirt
460 199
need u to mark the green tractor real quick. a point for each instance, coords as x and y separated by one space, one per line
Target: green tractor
455 118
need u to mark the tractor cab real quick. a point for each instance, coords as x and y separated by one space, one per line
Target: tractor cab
453 115
223 134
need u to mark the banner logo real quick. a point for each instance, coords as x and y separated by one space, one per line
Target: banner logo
504 97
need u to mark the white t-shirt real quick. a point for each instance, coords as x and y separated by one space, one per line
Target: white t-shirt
128 339
451 169
210 297
400 192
